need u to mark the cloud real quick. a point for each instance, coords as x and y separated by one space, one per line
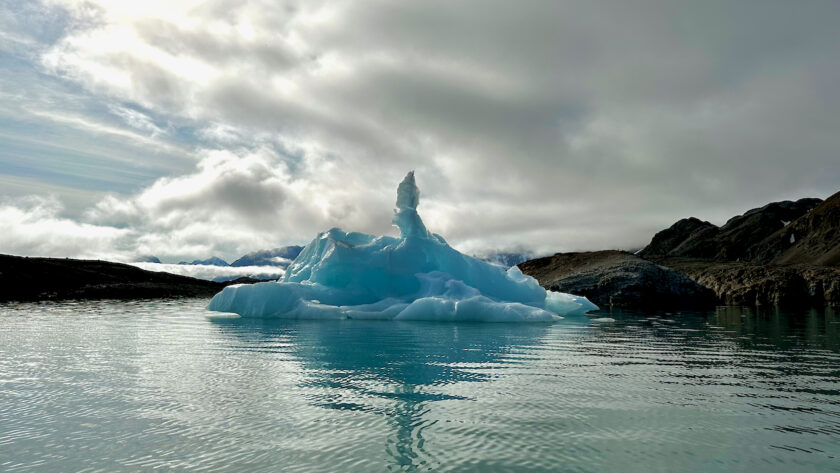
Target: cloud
231 204
137 119
557 125
33 226
238 202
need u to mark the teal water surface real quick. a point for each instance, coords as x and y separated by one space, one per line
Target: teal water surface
166 386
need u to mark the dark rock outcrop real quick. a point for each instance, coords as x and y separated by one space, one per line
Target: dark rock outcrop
813 238
744 283
619 279
35 279
687 236
742 235
740 239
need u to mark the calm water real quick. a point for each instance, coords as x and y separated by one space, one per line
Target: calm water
164 386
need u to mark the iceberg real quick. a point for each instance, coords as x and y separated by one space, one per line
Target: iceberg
417 276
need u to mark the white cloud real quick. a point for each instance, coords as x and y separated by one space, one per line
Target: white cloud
238 202
33 226
137 120
91 125
232 204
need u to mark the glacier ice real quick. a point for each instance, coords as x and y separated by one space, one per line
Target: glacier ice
417 276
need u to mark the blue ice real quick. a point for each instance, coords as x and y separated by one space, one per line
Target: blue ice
417 276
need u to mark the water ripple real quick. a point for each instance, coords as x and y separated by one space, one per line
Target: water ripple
160 386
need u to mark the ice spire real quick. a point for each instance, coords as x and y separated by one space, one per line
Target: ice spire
405 215
417 277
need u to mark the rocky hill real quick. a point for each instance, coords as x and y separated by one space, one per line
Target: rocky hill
784 253
742 238
36 279
813 238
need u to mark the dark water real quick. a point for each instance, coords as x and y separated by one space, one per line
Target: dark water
160 386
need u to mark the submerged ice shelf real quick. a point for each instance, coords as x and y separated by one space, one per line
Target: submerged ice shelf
417 276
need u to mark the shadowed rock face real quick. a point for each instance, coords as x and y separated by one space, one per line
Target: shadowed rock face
742 238
743 235
31 279
619 279
814 238
744 283
687 236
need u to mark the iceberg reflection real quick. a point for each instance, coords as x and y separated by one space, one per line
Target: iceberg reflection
396 372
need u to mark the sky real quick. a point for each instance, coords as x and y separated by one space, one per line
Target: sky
186 129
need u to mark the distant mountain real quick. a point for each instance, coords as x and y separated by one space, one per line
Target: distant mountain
213 261
506 260
148 259
245 279
281 257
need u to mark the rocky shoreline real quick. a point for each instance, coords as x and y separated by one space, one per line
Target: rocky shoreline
739 283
